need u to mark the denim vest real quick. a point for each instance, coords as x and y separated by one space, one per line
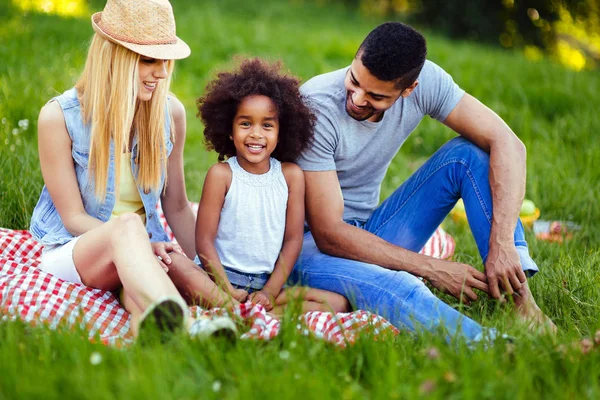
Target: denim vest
46 225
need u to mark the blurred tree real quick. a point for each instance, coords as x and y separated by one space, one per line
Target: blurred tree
567 29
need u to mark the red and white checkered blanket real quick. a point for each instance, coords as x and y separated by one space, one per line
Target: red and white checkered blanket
37 297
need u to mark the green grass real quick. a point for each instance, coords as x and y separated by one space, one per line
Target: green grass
553 110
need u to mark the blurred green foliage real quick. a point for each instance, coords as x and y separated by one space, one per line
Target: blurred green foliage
553 110
568 30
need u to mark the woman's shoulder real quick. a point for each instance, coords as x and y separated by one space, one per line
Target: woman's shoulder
51 116
177 111
177 108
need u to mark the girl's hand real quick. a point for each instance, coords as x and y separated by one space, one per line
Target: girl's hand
239 294
162 250
261 298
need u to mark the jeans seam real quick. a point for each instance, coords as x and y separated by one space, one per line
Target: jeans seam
443 165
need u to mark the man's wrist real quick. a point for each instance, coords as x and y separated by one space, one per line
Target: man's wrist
427 269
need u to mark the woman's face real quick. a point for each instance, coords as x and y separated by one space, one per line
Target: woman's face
151 71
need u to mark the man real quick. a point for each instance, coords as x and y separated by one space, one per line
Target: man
368 252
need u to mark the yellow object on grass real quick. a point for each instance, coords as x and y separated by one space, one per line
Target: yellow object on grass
529 213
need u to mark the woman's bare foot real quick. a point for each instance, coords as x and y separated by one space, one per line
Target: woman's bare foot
529 312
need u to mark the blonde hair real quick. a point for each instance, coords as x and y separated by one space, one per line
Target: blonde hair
108 90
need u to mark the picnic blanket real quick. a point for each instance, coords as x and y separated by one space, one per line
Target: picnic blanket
36 297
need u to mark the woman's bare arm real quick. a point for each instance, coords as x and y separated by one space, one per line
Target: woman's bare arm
58 170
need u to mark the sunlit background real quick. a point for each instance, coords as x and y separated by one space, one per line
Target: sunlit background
566 31
65 8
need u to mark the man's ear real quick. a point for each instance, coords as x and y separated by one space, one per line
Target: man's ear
409 89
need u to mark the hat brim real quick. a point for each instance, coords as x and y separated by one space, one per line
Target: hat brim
173 51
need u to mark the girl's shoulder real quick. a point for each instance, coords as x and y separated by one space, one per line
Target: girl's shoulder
220 170
218 179
292 173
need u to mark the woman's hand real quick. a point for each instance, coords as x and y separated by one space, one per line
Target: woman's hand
162 250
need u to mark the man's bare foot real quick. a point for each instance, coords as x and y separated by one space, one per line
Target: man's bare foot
529 312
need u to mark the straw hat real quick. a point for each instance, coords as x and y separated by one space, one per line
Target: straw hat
146 27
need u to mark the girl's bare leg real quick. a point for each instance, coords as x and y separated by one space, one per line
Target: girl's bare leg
312 300
195 284
119 253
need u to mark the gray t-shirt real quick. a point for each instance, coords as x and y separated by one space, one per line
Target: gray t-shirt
361 151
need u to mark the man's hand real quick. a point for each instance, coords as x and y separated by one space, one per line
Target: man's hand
162 250
262 298
503 269
457 279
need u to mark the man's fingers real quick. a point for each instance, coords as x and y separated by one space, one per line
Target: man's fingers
477 284
477 274
471 296
516 284
506 285
464 299
521 275
494 290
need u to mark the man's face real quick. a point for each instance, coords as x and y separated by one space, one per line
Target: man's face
367 97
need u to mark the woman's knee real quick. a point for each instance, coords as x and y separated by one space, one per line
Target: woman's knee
126 225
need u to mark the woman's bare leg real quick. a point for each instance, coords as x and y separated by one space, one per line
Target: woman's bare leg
119 253
312 300
195 284
133 309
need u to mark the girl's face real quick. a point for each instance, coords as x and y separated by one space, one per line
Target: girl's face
255 133
151 71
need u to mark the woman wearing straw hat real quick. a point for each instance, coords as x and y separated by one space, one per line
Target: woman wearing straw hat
110 148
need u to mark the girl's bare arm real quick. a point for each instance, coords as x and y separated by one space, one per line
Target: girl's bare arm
215 188
294 230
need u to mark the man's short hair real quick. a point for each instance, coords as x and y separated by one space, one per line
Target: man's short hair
394 52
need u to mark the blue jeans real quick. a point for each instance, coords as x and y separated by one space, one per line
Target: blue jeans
243 280
407 219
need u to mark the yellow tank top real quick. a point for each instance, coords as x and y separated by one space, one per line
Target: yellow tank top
129 199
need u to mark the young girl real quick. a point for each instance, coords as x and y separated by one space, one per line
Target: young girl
106 148
251 217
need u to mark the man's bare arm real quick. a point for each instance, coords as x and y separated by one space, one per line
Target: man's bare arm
325 208
487 130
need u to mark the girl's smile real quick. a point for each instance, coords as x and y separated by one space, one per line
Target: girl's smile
255 133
